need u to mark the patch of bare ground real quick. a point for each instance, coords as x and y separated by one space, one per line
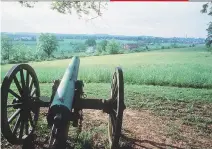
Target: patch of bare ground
141 130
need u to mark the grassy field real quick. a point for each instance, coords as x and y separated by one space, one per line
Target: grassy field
172 67
152 81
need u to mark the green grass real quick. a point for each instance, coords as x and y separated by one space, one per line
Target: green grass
164 68
191 106
152 81
139 96
169 101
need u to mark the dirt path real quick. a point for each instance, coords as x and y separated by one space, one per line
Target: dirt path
141 130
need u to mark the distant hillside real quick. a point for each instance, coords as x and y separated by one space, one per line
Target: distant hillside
146 39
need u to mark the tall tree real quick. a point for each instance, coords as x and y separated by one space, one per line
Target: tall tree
209 37
103 44
6 47
47 43
101 47
90 42
207 8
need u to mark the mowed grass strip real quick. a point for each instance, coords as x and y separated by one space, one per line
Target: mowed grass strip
164 68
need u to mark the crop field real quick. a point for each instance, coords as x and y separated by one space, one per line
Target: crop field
175 68
168 94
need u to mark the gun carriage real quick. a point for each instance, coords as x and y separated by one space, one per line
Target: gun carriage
20 109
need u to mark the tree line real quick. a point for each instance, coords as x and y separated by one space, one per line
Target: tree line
47 44
12 53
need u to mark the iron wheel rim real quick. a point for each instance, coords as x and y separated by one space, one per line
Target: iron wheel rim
27 112
116 113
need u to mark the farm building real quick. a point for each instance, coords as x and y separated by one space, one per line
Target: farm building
130 46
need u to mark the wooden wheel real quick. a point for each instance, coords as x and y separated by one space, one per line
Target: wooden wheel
117 108
19 113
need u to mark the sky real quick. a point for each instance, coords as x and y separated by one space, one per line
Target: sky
161 19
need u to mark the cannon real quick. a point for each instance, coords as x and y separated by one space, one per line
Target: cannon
21 102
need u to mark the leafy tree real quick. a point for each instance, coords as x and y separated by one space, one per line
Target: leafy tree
6 47
209 37
47 43
113 47
101 47
207 8
22 53
90 42
103 44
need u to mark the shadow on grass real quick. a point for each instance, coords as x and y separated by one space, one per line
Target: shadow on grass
146 144
130 142
33 142
127 142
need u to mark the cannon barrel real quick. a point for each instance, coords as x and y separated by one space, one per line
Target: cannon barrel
63 100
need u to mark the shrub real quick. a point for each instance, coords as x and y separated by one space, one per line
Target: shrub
210 49
113 47
22 53
40 55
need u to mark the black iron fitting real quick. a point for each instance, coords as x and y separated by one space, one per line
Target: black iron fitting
107 106
57 120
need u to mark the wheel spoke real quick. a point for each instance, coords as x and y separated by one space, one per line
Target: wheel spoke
15 128
27 127
17 85
114 95
113 117
30 84
114 89
33 92
31 120
113 121
115 112
15 104
14 115
21 129
14 94
22 78
27 79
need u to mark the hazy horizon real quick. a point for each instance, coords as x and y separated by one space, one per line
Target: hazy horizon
132 19
99 34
